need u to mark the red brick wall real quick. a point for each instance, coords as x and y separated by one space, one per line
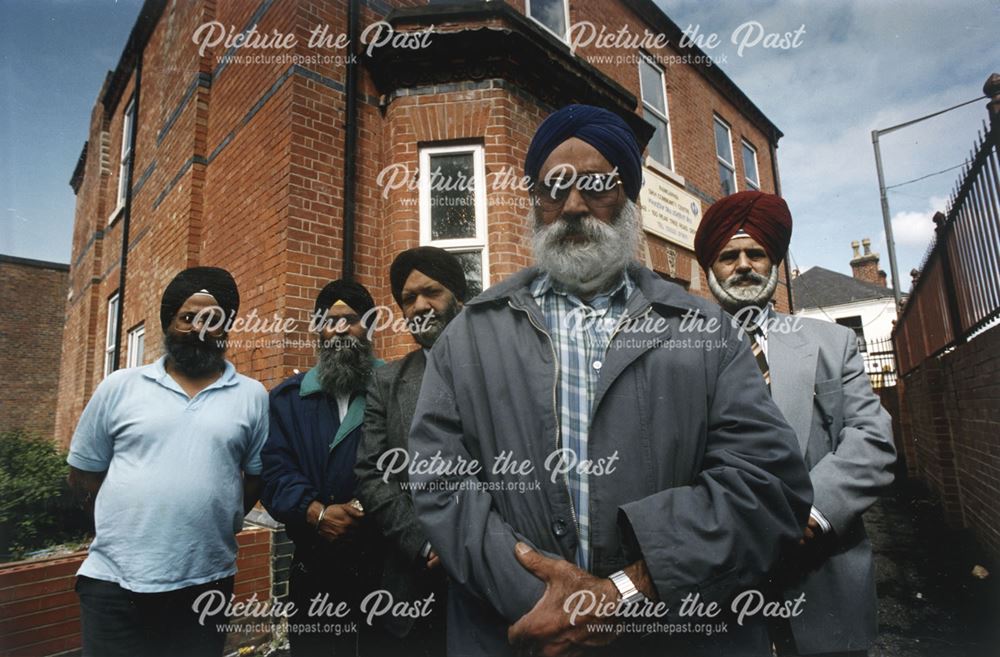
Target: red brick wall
32 295
40 612
951 427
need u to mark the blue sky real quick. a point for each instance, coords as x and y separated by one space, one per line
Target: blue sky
861 65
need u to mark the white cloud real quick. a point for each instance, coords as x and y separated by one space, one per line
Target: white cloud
916 229
862 66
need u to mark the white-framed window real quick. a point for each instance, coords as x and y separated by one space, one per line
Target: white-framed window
452 187
110 335
136 346
126 156
553 15
855 324
653 89
724 153
750 173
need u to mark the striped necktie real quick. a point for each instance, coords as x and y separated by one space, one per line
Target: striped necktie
758 354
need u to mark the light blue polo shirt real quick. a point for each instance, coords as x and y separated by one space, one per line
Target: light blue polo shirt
169 509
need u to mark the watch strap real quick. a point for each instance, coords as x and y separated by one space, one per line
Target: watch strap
630 594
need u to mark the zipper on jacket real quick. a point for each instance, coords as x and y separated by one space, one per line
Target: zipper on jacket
555 408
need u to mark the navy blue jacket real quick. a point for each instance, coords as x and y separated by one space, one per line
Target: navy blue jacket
309 454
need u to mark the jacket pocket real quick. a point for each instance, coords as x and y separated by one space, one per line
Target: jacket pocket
828 386
828 409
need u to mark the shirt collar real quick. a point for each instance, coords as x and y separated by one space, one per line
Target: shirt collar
760 319
543 284
157 371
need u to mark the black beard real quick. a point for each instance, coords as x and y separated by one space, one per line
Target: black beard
194 357
433 326
345 365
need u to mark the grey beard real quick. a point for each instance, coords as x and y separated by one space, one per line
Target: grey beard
194 357
587 268
734 298
344 365
433 326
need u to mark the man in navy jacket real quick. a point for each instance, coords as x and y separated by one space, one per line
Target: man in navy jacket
309 482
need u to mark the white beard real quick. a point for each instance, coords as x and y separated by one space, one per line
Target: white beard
735 298
587 268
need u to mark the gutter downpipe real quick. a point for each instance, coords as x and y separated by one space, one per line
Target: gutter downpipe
777 190
350 139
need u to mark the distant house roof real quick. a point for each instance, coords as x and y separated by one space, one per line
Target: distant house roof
819 288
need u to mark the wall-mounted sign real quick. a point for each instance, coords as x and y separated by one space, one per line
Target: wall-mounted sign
667 210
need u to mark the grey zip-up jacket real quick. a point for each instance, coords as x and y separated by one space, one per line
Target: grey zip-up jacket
707 482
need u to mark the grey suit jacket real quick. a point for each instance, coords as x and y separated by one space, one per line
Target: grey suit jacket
390 404
819 383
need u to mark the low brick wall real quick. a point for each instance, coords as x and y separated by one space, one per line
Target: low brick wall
40 613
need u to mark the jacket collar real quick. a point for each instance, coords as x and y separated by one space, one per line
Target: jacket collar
653 288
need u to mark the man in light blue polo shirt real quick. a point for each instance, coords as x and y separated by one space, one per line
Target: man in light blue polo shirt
168 458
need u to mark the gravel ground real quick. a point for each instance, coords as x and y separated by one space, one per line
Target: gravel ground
930 604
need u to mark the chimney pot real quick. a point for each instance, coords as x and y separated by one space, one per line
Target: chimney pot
867 243
855 245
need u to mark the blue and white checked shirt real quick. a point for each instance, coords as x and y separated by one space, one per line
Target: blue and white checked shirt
580 332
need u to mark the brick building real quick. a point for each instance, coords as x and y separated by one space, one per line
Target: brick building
290 164
32 294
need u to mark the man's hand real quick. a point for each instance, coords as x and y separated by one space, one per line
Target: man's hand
813 531
433 560
339 522
546 629
85 486
252 485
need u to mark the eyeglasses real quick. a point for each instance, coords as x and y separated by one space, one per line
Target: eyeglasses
211 318
599 190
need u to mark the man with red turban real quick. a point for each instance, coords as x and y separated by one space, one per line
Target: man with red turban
817 379
755 217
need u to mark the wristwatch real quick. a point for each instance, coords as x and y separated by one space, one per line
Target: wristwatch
630 594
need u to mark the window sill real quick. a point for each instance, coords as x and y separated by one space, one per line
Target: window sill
115 214
664 171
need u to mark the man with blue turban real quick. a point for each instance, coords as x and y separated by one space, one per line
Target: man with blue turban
629 455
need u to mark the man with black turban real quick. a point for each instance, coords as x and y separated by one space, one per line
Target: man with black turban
628 450
429 285
309 482
167 456
817 378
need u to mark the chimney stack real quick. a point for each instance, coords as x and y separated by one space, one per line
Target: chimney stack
864 266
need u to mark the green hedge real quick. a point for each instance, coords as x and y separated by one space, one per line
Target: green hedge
37 509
